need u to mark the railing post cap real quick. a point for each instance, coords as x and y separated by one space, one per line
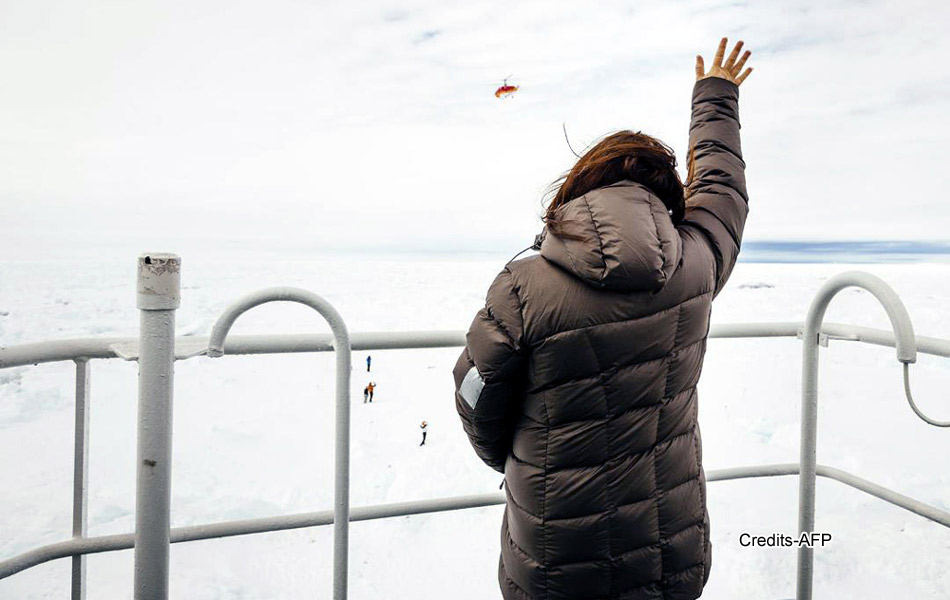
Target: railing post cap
158 283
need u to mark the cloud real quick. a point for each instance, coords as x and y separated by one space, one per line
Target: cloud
425 36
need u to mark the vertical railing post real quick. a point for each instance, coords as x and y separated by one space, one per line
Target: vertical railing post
80 475
808 463
158 297
341 491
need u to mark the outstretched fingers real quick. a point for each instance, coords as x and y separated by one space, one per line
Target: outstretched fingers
738 68
720 52
730 69
731 61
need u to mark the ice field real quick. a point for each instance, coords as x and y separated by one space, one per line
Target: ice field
253 435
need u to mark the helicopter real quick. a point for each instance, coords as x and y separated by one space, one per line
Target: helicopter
506 90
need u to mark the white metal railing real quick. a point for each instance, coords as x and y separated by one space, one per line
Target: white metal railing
157 348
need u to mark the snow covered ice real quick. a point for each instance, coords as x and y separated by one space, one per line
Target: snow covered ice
253 435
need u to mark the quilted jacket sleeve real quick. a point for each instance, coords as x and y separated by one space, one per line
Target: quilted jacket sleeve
717 202
490 374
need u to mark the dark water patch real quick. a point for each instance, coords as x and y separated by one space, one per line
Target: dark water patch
845 251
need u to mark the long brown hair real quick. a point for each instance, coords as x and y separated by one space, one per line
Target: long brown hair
624 155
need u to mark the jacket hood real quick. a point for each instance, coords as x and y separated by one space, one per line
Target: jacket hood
629 241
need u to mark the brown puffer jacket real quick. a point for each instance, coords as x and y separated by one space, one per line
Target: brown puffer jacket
578 382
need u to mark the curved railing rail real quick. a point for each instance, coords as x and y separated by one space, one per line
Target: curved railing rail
906 345
341 347
813 332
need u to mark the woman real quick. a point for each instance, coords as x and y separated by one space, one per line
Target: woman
578 379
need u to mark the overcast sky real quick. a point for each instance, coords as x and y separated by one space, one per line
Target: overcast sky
293 125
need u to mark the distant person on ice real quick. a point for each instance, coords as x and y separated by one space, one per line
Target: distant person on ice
365 394
424 427
369 362
370 388
578 378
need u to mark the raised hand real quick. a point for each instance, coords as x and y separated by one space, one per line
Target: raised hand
730 69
